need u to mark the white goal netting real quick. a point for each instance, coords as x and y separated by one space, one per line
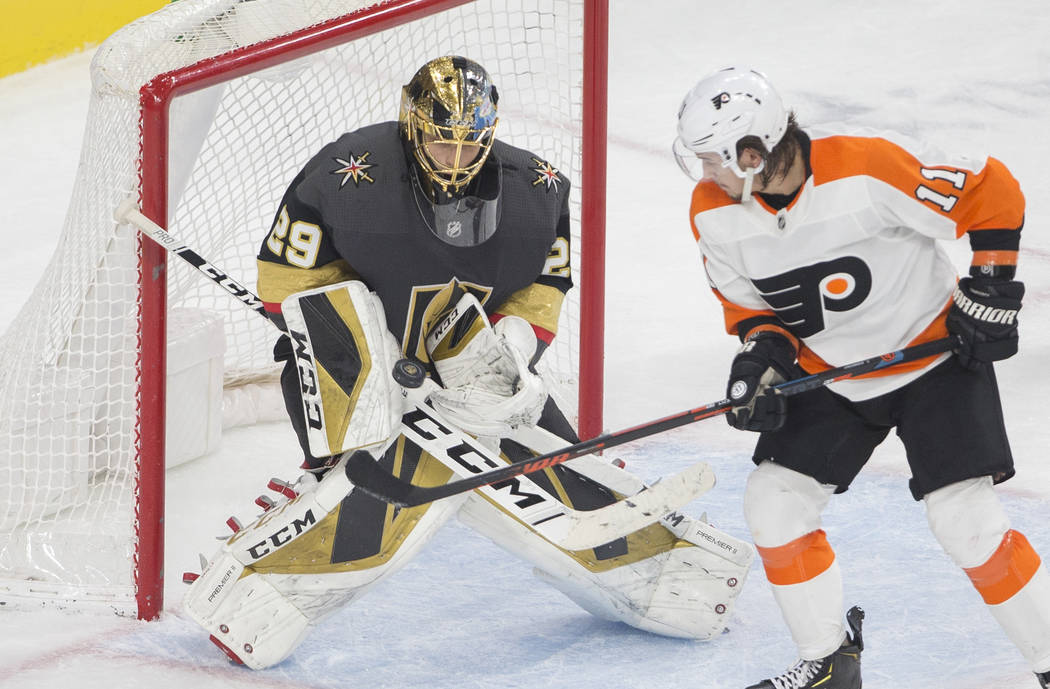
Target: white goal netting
70 393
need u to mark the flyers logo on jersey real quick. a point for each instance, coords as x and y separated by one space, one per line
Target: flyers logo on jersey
801 297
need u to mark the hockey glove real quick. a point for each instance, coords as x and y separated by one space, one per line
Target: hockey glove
489 389
764 360
984 316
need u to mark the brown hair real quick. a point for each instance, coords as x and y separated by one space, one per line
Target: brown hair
778 161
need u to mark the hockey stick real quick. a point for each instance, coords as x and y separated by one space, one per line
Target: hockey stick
128 212
613 477
371 478
551 518
526 501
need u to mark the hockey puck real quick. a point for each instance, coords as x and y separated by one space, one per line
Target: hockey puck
409 373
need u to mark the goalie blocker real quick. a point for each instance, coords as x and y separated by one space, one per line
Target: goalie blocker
344 356
306 557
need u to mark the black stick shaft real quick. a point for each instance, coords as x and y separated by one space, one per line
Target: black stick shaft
370 477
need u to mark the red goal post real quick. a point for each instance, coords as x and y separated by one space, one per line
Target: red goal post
229 98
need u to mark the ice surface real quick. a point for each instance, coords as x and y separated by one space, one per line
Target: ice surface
464 614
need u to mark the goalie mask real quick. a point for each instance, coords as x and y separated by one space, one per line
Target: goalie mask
466 219
448 119
722 109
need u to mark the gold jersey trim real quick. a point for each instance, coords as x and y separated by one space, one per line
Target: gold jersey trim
538 304
277 281
312 552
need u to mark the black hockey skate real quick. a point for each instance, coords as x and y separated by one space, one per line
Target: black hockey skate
1044 679
840 670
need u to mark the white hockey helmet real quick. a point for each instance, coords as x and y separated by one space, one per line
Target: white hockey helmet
723 108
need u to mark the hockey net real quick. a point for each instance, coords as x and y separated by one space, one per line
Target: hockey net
204 112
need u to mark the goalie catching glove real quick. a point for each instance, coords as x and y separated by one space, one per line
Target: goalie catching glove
984 316
764 360
488 389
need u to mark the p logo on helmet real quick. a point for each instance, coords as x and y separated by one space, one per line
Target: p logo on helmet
722 109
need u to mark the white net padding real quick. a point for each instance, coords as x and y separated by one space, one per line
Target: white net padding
69 389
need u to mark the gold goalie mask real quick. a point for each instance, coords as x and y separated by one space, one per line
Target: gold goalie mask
448 120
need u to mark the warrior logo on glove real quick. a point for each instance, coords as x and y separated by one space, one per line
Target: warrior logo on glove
984 316
980 312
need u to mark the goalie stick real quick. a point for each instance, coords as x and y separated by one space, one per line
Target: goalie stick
373 479
422 425
525 500
612 476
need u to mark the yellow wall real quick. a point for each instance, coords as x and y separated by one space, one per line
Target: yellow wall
36 31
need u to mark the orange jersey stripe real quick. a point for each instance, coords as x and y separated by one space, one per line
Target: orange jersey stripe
993 198
706 196
734 314
769 327
800 560
811 363
1007 571
994 258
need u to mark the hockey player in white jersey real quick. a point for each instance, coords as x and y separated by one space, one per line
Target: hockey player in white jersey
823 247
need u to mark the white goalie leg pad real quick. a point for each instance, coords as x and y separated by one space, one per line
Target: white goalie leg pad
254 624
345 356
969 522
687 592
260 611
782 507
674 589
696 531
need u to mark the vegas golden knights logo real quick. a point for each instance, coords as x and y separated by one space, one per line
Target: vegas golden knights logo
800 297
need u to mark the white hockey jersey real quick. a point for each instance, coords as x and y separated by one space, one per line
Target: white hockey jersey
852 267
